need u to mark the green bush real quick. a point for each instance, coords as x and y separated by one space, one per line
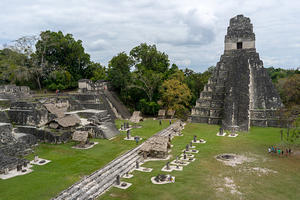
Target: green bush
59 79
148 108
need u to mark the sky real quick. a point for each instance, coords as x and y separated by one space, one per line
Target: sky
191 32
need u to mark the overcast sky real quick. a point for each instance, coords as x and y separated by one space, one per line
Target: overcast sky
191 32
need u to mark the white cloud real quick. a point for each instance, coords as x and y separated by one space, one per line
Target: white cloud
191 32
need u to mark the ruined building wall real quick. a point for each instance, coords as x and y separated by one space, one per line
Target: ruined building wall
240 92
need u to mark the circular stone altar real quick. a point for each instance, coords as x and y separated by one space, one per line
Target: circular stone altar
226 157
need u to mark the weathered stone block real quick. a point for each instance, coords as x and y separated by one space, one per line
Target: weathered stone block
240 82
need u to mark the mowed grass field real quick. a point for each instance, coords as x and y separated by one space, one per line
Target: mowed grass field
263 177
69 165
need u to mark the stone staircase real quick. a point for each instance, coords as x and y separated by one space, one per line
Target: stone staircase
117 104
101 180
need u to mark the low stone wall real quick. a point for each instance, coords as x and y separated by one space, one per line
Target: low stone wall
23 113
10 162
13 91
45 135
4 117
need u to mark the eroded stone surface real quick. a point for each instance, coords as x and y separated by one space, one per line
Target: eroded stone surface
240 92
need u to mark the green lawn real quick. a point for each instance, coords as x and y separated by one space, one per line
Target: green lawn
205 177
69 165
199 180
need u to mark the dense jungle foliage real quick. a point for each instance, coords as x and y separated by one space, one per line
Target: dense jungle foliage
144 79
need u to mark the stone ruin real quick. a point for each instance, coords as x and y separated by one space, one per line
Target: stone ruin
170 114
136 117
13 91
83 138
156 147
102 89
13 146
86 85
52 119
239 93
161 114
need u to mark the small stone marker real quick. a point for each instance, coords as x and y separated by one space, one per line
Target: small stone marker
184 156
137 165
187 147
36 158
191 144
128 134
6 171
221 132
168 166
176 159
19 168
118 181
25 164
195 138
169 137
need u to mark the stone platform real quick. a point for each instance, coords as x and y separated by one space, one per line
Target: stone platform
14 172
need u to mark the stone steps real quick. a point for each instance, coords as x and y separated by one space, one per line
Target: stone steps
105 175
106 119
119 106
101 180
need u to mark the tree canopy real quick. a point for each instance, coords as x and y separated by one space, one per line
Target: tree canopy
62 52
175 94
144 79
52 60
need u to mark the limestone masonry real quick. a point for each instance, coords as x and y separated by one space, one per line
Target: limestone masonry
27 118
240 92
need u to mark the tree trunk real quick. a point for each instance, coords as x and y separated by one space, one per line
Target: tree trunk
38 82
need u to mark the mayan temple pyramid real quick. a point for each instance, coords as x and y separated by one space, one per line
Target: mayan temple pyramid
240 92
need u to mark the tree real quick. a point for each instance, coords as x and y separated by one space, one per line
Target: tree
147 57
24 45
59 79
178 75
175 95
119 71
62 52
196 82
291 90
146 80
37 70
14 67
151 68
95 71
24 68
